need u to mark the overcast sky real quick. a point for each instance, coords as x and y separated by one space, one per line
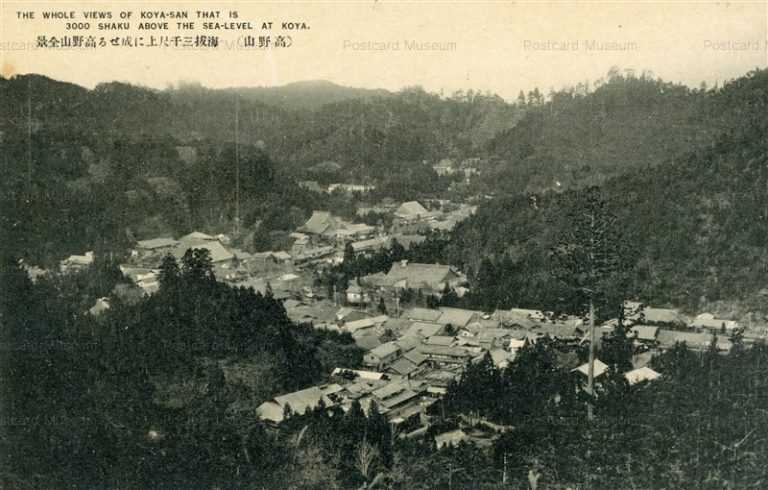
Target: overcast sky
496 47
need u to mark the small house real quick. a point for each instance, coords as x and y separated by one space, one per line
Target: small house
382 356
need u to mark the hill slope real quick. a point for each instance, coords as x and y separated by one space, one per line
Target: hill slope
699 222
578 138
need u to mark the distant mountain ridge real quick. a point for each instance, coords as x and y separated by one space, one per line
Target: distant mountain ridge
86 168
300 124
309 94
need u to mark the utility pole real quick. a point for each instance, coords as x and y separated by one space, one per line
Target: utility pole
504 474
29 135
591 376
237 166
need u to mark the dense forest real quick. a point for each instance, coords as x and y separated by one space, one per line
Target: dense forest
150 394
697 223
582 135
84 402
96 169
99 168
695 427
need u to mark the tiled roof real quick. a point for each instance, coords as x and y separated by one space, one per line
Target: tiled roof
156 243
217 251
422 314
318 223
385 350
642 374
645 332
600 368
457 317
411 209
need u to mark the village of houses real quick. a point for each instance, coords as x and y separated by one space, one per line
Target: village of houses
410 355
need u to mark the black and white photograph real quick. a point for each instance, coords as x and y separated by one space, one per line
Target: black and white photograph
383 245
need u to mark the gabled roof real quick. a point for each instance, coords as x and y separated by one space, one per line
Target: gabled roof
384 350
364 323
440 340
357 325
390 390
457 317
318 223
699 341
482 324
397 325
415 356
408 342
370 244
403 367
399 399
645 332
196 236
500 333
600 368
661 315
411 209
422 314
642 374
367 342
217 251
714 323
558 331
156 243
441 350
358 228
519 312
299 401
415 275
423 329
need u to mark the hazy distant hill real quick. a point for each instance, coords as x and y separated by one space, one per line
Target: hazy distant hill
81 167
310 94
301 124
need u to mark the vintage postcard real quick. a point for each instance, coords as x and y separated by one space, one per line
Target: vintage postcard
383 245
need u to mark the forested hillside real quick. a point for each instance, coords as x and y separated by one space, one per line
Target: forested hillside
94 168
97 168
698 222
581 136
85 399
